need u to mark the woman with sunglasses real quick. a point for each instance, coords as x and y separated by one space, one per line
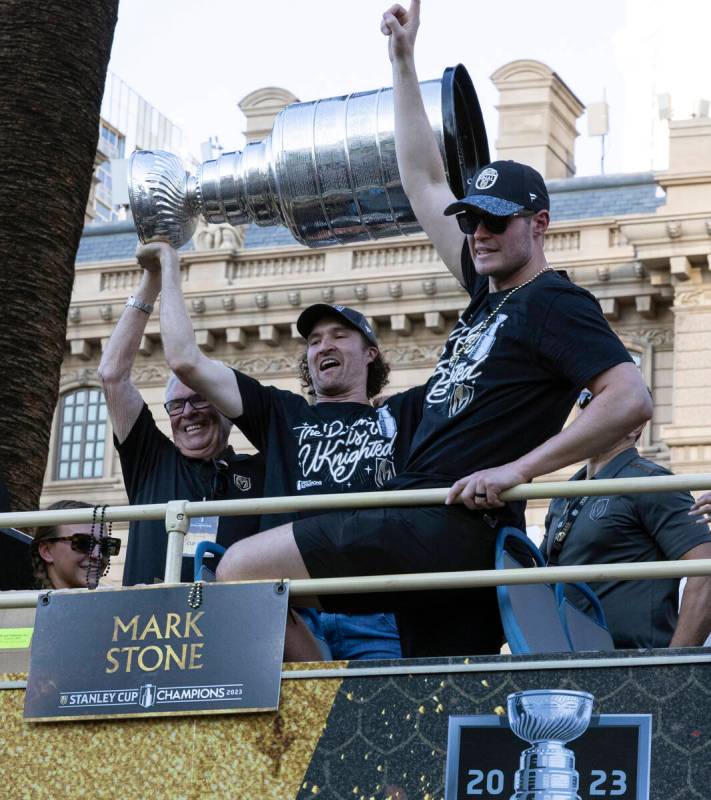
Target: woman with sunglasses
63 556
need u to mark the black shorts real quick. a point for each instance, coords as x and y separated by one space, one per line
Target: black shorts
386 541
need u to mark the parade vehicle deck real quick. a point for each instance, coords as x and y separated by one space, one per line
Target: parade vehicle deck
417 728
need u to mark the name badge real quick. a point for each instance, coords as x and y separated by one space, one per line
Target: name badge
202 529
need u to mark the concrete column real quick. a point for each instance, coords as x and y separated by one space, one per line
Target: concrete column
260 109
537 114
689 435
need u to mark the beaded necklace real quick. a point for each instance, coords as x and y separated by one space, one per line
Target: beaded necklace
463 348
92 569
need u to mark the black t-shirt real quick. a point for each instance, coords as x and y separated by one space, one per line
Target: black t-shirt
328 447
497 394
155 471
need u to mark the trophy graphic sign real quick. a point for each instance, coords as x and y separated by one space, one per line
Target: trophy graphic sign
327 171
548 719
612 751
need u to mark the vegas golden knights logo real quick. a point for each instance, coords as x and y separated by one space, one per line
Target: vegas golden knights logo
384 471
242 482
599 507
460 398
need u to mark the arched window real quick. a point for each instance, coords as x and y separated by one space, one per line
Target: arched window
82 435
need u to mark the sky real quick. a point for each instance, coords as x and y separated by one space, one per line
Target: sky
194 60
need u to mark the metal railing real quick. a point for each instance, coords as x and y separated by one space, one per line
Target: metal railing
177 515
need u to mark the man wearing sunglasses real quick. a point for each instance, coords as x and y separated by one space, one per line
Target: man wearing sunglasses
198 464
658 526
63 556
494 407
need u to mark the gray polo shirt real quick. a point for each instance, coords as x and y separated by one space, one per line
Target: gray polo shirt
628 528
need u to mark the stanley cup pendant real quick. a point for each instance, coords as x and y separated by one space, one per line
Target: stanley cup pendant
547 719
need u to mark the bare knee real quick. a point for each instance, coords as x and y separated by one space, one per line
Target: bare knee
271 555
229 568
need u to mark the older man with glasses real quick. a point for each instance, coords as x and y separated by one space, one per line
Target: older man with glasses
658 526
198 464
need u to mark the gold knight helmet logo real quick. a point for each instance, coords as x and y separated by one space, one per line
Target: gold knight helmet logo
384 471
460 398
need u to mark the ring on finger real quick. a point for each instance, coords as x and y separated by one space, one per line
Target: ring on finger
479 494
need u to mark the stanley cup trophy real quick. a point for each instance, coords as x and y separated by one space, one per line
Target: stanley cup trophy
548 719
327 171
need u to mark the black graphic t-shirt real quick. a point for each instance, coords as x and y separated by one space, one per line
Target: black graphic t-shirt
155 471
328 447
503 388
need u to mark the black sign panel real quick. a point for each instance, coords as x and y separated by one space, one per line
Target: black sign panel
137 652
612 757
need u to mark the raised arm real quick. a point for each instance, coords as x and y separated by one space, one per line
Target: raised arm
123 400
212 379
418 157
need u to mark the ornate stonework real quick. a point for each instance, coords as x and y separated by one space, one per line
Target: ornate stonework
384 257
566 241
413 354
218 237
275 267
698 296
84 376
662 338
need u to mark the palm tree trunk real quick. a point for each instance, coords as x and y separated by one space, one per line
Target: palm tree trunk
53 61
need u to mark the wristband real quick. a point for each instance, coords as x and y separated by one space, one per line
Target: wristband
140 305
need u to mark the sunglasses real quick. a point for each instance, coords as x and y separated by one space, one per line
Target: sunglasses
175 407
85 543
584 399
469 221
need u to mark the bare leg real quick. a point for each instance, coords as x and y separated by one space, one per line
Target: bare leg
273 555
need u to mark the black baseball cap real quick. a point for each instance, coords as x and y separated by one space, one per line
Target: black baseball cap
310 316
503 188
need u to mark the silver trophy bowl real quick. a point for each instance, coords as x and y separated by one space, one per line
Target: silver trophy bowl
548 719
327 171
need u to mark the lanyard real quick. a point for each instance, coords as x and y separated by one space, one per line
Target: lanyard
217 484
567 520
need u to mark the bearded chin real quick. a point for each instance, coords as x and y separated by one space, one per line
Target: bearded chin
330 390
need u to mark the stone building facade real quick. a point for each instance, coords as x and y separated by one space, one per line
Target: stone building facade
640 242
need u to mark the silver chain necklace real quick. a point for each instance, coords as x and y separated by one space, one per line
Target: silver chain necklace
463 350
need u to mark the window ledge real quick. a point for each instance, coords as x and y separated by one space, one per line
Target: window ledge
84 483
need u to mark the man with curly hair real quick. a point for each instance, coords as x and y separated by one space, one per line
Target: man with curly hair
504 384
338 443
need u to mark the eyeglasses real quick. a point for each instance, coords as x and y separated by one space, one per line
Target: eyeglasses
584 399
469 221
177 406
85 543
